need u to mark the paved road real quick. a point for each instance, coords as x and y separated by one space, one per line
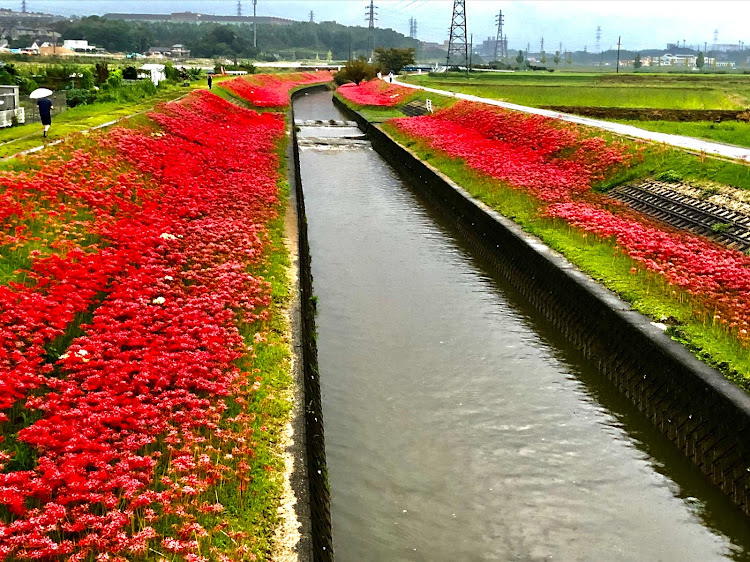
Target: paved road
689 143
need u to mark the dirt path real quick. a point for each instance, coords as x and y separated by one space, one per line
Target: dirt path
688 143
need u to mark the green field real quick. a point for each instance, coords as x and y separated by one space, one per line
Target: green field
661 91
728 132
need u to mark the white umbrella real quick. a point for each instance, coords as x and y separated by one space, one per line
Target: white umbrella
40 93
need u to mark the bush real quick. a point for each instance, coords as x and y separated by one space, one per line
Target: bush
130 73
78 96
670 176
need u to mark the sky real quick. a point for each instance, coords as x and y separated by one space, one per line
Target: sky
640 23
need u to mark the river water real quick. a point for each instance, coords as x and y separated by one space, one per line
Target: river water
460 425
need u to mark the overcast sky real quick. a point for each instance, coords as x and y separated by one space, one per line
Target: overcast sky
641 23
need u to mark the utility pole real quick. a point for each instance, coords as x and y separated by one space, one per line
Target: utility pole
458 46
618 54
499 20
370 14
312 16
255 25
471 55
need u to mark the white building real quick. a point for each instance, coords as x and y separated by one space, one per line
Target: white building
10 109
157 72
80 45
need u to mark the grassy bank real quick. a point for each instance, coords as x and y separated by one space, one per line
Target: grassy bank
24 137
599 90
602 259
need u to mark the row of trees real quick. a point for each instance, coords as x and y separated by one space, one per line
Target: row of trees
213 40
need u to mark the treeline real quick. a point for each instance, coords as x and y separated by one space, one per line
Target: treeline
208 40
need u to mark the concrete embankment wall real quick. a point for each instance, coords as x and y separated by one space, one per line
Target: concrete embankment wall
703 414
319 496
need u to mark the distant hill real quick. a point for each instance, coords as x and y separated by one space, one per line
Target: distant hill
280 39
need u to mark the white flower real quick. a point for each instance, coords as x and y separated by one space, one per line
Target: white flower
81 352
167 236
159 300
168 278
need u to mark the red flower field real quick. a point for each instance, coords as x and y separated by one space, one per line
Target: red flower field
376 92
272 90
117 432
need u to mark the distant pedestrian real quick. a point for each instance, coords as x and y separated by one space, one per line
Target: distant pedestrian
210 81
390 77
45 112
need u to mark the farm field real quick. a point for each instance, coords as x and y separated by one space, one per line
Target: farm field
661 91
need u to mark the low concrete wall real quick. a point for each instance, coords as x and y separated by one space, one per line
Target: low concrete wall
320 513
704 414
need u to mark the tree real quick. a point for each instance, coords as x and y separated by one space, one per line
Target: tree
637 62
394 59
542 57
520 57
569 58
356 71
556 59
700 62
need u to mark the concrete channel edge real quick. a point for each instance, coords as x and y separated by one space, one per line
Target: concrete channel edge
320 547
706 416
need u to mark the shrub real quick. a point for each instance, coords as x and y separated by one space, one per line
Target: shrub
78 96
669 176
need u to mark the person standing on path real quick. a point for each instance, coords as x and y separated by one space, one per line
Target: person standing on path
210 81
45 109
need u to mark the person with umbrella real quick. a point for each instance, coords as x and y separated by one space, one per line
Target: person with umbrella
45 106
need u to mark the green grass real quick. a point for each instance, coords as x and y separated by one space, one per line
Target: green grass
24 137
600 90
729 132
602 260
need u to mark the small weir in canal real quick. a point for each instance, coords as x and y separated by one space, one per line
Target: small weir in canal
459 424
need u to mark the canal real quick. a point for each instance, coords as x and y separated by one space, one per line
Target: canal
460 425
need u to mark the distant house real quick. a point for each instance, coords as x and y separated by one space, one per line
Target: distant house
158 52
175 51
179 51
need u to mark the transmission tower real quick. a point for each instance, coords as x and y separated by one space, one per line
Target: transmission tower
413 28
370 18
239 8
312 16
458 46
716 38
23 6
541 44
598 38
499 20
